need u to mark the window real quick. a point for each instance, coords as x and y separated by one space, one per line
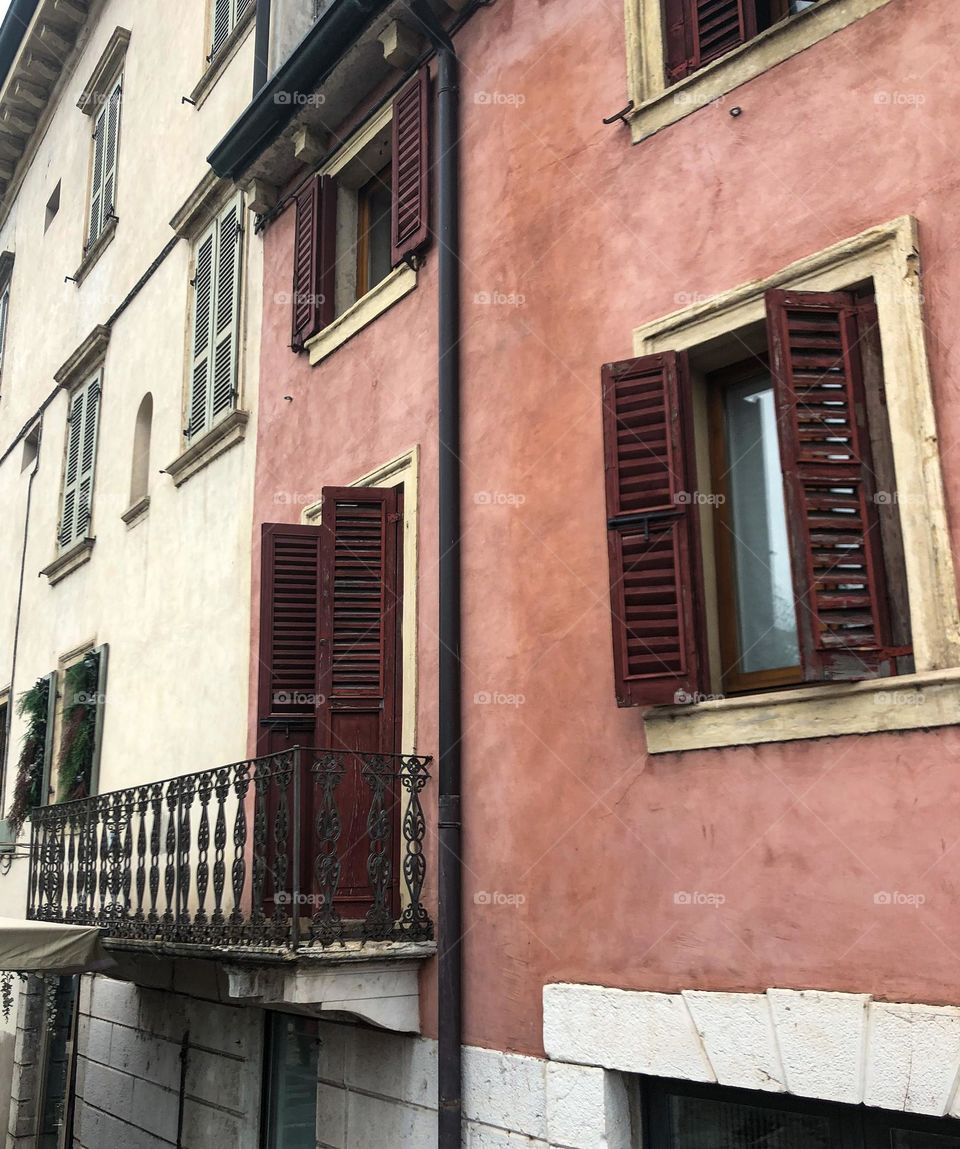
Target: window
79 464
805 579
292 1066
79 723
682 1115
363 215
225 16
58 1055
216 314
699 31
103 178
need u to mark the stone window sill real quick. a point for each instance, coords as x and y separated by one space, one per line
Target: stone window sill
75 556
228 49
96 249
657 106
136 512
908 702
390 290
220 438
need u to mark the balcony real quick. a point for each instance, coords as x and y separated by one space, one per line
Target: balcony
298 873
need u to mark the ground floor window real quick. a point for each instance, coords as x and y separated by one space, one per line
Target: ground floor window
682 1115
58 1062
292 1063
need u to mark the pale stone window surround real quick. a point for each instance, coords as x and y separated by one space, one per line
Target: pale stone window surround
841 1047
656 105
393 287
889 255
204 203
215 67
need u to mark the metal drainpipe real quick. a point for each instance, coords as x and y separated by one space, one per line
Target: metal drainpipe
449 957
16 625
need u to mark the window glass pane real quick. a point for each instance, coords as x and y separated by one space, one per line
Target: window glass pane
909 1139
378 236
56 1074
766 619
698 1123
292 1115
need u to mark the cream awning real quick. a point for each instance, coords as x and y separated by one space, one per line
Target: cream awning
48 947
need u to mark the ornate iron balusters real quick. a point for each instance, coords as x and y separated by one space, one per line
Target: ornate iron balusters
261 783
414 921
185 798
222 791
168 922
326 925
204 792
238 871
156 808
378 774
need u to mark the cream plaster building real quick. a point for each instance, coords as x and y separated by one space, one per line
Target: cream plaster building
130 318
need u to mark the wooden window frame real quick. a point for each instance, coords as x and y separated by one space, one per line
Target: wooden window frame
733 681
365 223
852 1126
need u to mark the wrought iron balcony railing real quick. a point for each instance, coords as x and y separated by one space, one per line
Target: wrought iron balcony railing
304 847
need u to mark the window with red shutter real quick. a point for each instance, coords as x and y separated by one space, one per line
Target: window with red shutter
652 529
800 509
696 32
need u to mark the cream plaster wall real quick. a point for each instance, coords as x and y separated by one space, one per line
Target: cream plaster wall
170 594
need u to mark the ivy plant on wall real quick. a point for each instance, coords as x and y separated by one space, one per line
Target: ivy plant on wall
80 695
32 705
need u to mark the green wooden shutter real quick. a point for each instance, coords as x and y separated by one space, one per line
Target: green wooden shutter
203 285
88 452
71 478
111 149
226 311
96 184
4 312
222 24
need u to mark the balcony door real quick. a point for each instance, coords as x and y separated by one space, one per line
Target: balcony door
329 680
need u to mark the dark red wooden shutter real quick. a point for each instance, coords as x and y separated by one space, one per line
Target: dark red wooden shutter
289 617
411 168
837 557
359 620
653 535
698 31
314 258
359 654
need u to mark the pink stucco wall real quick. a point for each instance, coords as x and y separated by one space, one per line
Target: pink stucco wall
562 806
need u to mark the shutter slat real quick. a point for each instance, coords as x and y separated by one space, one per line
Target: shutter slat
203 284
314 258
825 452
654 567
410 178
82 422
96 178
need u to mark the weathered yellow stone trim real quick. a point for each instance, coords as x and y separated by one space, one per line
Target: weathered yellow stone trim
890 256
656 105
390 290
910 702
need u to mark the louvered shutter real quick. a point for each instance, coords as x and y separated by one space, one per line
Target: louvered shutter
111 149
698 31
222 24
837 556
655 568
88 451
410 216
314 258
4 313
203 283
289 604
96 184
359 618
226 312
71 478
